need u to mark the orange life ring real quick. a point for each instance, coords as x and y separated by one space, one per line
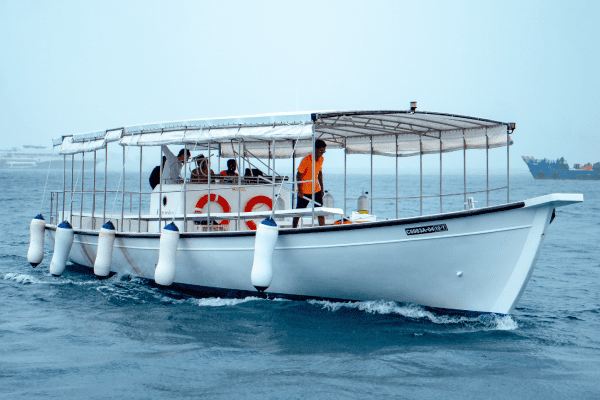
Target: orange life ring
253 202
220 201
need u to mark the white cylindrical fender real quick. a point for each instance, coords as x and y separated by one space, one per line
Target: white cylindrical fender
62 247
164 274
106 241
37 231
264 248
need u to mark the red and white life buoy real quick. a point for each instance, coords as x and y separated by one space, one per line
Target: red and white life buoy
254 202
220 200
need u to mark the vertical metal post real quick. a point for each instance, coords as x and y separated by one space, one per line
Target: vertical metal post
185 161
371 140
441 163
345 172
487 167
313 177
208 221
273 175
294 185
82 186
421 169
507 166
238 222
465 168
105 181
160 194
72 187
94 196
123 195
219 159
51 205
140 197
396 176
64 187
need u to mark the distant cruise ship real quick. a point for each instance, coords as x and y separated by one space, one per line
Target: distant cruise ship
30 156
559 169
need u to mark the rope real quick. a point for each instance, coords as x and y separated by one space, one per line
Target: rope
47 175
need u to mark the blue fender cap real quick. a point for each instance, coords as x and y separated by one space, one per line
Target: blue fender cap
39 216
172 227
65 225
268 222
109 225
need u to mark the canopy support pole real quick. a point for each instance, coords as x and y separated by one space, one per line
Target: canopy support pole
140 198
507 166
94 195
396 176
105 182
421 170
371 139
208 221
313 175
465 168
123 195
345 174
294 184
273 179
238 224
441 163
160 199
82 181
64 187
487 166
185 161
72 187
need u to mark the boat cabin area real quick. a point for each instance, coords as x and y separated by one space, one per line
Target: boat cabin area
211 202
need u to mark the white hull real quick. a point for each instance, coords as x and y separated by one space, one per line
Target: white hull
482 262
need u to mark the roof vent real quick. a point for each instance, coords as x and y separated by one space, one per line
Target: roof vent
413 106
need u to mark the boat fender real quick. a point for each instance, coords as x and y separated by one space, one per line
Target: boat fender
551 218
62 247
264 248
37 229
164 274
106 241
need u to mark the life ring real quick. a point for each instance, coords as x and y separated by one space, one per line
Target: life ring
252 203
220 200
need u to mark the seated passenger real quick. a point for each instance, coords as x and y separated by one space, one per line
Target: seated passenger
155 175
230 171
172 167
200 174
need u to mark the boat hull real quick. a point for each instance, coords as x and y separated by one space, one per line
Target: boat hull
476 260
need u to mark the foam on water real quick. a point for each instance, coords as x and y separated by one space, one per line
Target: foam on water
413 311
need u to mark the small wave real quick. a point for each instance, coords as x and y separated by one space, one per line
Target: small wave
45 279
413 311
21 278
219 302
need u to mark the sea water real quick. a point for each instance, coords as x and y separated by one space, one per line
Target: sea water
121 338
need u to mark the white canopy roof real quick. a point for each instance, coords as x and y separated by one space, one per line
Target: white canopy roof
390 133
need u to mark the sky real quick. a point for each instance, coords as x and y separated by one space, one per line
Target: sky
70 67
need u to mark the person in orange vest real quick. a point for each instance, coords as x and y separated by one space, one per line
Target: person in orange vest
305 174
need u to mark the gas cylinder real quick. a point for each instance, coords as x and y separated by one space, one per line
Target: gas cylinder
363 203
328 200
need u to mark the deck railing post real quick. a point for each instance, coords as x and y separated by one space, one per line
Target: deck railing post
294 184
441 163
72 187
208 221
345 173
185 161
82 186
507 166
371 140
396 176
140 197
64 188
94 195
123 195
313 176
465 168
238 223
160 190
487 167
105 182
273 179
421 171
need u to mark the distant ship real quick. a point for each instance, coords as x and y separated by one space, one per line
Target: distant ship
30 157
559 169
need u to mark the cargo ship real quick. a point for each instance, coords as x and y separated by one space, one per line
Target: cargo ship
559 169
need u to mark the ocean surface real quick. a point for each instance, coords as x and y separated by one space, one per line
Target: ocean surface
74 337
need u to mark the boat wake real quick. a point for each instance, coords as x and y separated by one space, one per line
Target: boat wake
418 313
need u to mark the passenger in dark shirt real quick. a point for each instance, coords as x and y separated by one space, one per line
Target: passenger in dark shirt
155 175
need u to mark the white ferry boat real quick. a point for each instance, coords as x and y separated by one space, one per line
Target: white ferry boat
203 232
